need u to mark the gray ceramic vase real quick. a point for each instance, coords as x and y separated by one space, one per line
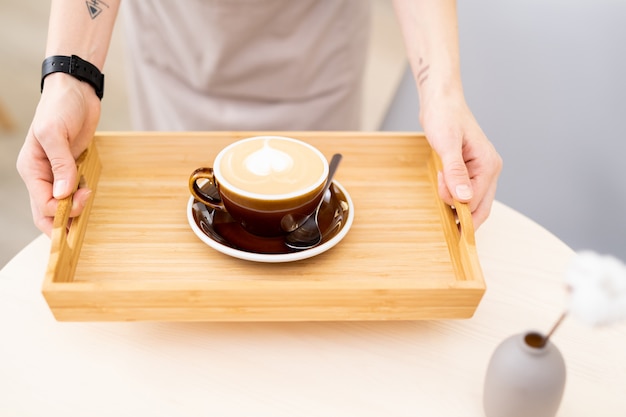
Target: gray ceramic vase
525 377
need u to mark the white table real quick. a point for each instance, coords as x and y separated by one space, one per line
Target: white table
382 369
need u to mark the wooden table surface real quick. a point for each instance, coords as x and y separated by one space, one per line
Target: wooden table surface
406 368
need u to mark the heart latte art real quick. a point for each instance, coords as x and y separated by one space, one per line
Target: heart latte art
271 166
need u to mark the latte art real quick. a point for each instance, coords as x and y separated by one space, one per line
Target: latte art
267 161
271 166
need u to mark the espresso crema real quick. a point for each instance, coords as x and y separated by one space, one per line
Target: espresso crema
272 166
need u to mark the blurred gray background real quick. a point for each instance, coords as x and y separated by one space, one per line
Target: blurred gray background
545 79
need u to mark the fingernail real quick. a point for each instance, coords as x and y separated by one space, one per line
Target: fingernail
463 192
59 188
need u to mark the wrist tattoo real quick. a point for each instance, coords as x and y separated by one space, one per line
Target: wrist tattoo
422 72
95 7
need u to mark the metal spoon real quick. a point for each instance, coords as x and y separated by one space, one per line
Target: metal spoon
308 234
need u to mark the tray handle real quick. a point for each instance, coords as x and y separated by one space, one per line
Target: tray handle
464 221
459 225
67 234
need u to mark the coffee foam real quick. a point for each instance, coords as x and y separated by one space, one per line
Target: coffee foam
268 161
271 166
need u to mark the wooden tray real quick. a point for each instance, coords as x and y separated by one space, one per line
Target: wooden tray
132 255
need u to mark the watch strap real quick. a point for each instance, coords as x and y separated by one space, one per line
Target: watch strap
76 67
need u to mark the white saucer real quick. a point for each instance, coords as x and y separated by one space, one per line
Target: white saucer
342 217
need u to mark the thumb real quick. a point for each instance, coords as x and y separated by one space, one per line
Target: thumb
456 177
63 168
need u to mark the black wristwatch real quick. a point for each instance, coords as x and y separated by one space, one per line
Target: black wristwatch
77 68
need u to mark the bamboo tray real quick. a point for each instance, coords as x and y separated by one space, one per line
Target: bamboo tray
132 255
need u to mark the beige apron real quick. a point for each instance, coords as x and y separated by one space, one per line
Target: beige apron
246 64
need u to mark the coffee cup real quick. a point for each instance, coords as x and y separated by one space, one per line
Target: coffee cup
268 184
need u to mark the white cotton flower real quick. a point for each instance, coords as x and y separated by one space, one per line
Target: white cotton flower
598 288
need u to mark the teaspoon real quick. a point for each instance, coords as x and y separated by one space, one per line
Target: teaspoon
308 234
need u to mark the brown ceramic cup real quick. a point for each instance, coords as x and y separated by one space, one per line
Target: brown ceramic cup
263 180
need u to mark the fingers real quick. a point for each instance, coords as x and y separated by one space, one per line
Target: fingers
43 215
480 206
79 201
456 177
483 168
35 169
43 223
444 192
64 123
449 145
483 209
57 149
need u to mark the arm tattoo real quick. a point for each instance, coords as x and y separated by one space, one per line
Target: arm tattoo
95 7
422 72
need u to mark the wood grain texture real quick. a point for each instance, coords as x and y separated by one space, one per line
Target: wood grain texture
132 255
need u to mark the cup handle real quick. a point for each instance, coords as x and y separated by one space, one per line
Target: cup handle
207 193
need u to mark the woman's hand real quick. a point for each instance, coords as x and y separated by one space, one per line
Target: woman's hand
64 124
471 165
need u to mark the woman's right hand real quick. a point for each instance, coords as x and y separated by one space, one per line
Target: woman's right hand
64 124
